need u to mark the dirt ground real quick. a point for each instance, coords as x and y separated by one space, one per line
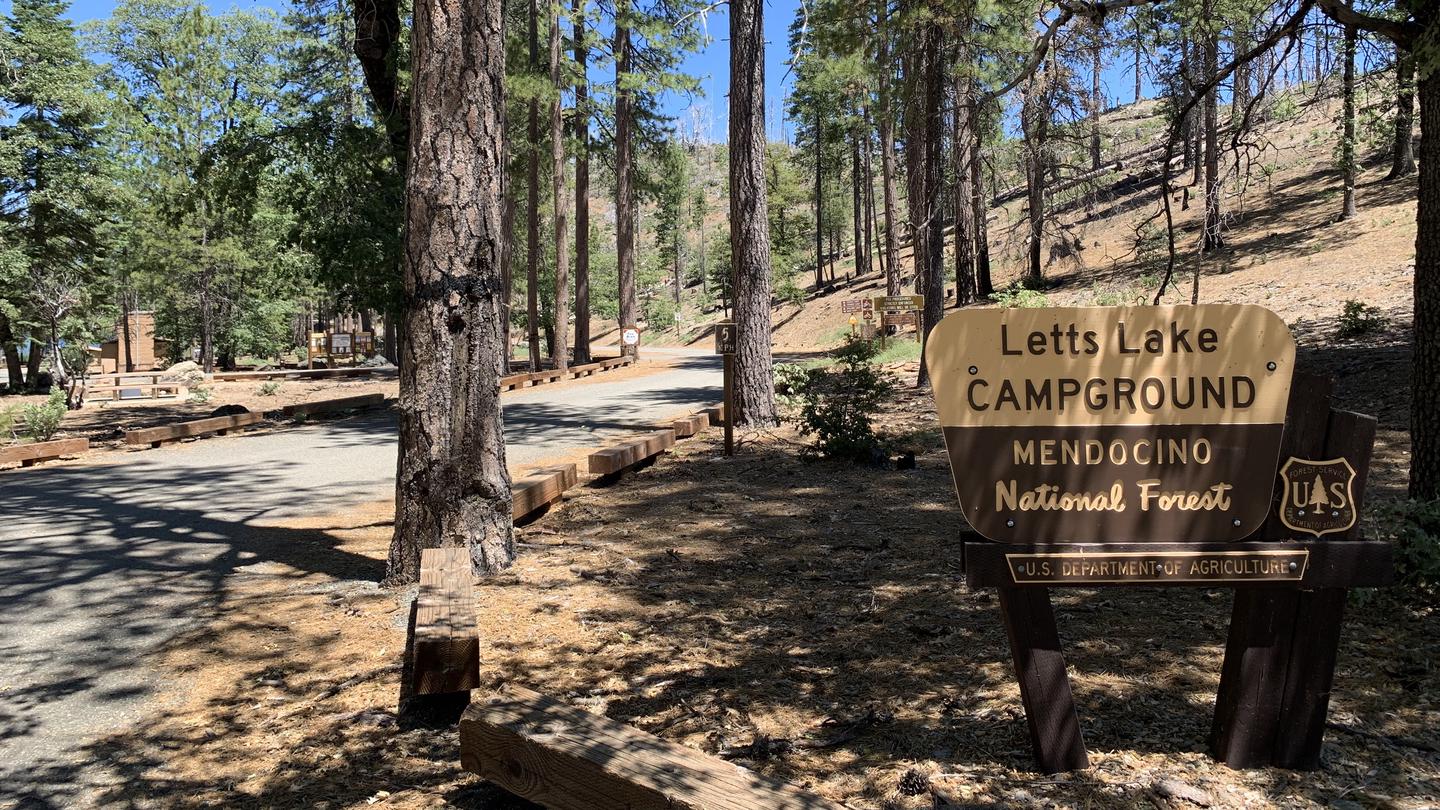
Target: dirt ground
806 619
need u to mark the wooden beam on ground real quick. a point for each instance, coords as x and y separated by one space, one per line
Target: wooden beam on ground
331 405
28 454
301 373
568 759
690 425
157 436
627 454
446 648
716 414
540 488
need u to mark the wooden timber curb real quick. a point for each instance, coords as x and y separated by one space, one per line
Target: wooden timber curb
565 758
28 454
617 458
301 373
156 436
540 488
533 378
332 405
446 646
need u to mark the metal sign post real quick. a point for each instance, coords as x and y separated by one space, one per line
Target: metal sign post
725 347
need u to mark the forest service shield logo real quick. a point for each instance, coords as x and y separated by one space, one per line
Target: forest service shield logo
1317 495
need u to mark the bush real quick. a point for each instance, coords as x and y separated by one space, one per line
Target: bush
1414 528
1020 297
268 389
7 421
835 403
659 313
1359 319
42 420
201 394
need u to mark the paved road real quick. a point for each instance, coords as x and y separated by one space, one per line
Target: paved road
102 564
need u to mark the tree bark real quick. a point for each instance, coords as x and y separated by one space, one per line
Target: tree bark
1097 100
32 365
13 367
819 204
887 155
451 486
1213 240
934 289
869 192
582 189
532 203
624 182
1034 122
857 205
377 33
561 353
749 218
1347 134
1402 155
507 264
984 287
1425 362
963 136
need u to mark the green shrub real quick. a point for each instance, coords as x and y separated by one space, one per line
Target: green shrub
201 394
1414 528
835 403
1359 319
1020 297
269 389
42 420
7 421
659 313
1284 108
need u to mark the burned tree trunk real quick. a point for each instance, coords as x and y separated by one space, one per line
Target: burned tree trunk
451 486
749 218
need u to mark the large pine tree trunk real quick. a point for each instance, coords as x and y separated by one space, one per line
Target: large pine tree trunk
819 204
869 192
749 218
1402 155
887 156
451 486
1097 98
624 182
532 203
1425 362
1347 134
582 190
560 351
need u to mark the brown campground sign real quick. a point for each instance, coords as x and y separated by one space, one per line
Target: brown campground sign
1113 424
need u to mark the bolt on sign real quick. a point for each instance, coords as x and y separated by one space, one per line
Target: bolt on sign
725 338
898 303
630 336
1113 424
1317 497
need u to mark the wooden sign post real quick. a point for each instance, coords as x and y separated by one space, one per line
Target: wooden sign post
725 340
1123 446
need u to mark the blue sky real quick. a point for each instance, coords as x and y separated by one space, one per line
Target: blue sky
711 65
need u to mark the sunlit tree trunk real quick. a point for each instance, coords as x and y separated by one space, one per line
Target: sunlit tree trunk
532 202
561 352
887 155
582 189
451 485
1347 134
749 218
624 182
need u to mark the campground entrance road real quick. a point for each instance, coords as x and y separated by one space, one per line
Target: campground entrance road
102 564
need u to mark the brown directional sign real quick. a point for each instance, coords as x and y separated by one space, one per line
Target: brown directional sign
1113 424
852 305
725 338
898 303
901 318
